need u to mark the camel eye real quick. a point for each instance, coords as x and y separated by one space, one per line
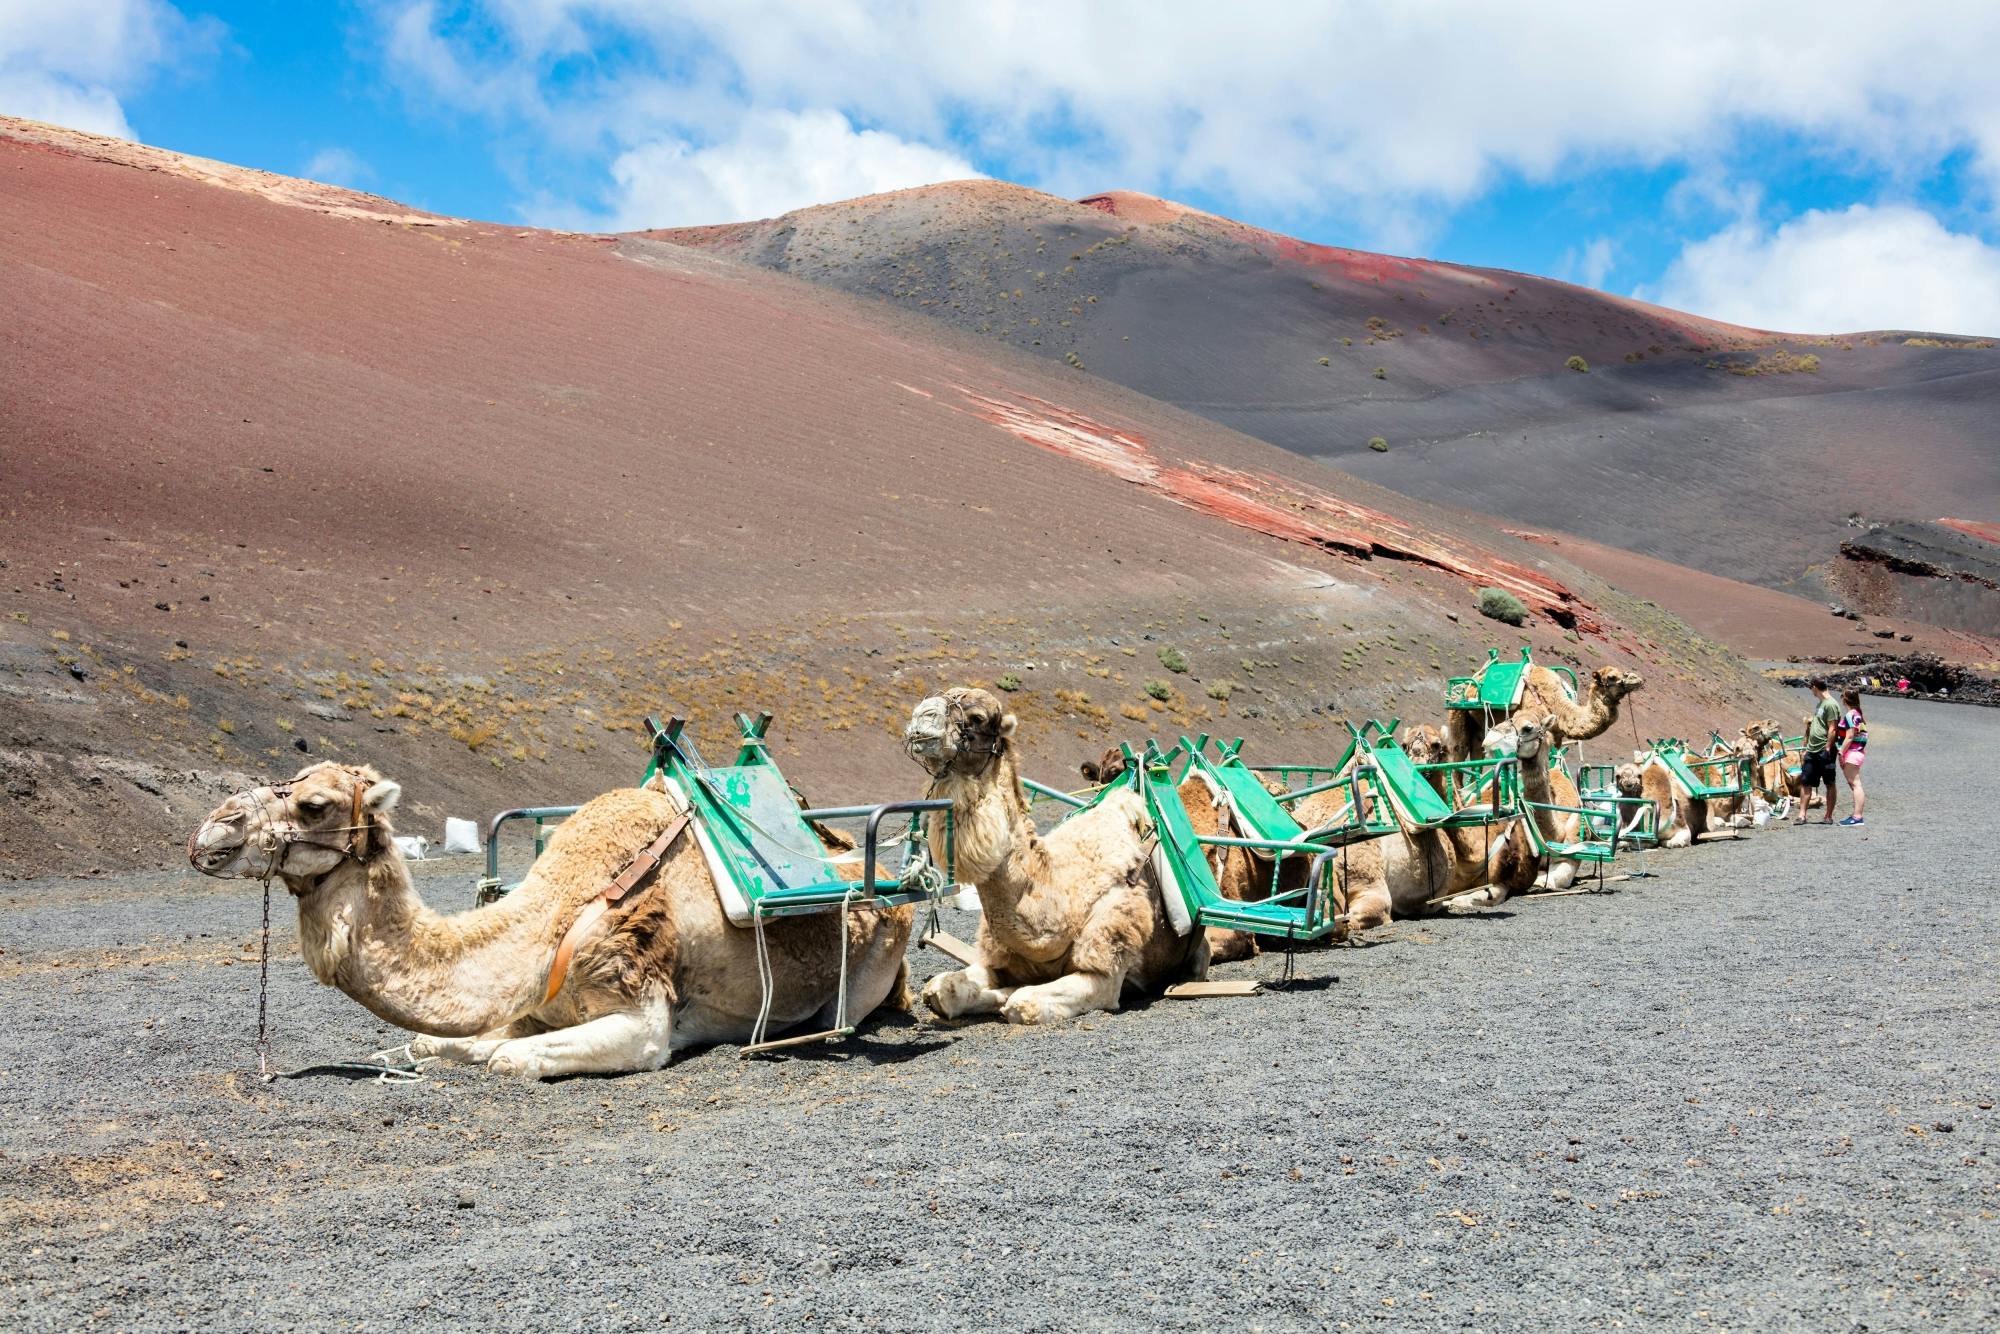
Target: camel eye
315 805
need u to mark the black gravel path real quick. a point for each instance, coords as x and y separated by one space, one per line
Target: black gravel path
1755 1091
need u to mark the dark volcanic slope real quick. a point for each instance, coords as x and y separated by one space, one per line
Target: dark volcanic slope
1462 371
286 470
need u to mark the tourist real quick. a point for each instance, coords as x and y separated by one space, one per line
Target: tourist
1817 768
1903 685
1853 747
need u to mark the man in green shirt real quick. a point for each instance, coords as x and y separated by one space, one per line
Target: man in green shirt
1818 767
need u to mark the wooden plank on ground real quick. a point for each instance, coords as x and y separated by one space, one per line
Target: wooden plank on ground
1204 990
946 943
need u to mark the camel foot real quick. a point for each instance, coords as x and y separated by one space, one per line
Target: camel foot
467 1051
1061 1000
967 991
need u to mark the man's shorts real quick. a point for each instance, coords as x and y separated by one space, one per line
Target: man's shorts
1816 769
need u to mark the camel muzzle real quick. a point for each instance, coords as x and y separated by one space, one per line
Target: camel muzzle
215 844
925 736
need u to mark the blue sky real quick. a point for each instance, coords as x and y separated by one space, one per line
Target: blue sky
1826 172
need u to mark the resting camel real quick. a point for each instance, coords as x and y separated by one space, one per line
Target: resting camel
548 981
1489 862
1069 921
1421 873
1738 812
1525 739
1545 692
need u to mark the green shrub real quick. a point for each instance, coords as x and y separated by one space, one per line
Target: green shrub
1381 372
1501 605
1009 683
1577 364
1159 690
1221 690
1378 444
1326 361
1173 659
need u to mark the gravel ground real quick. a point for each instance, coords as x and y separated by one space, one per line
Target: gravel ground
1755 1090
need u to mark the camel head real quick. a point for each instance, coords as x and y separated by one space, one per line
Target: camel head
298 830
1423 743
963 731
1614 683
1757 735
1107 770
1630 780
1525 736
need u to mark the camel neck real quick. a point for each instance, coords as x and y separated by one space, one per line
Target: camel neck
363 929
1000 855
1535 786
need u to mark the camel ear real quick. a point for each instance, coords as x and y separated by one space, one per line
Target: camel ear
1090 770
1007 722
382 796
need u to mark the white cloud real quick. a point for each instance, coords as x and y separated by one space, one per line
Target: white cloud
777 161
1379 112
338 166
1861 268
70 63
1592 264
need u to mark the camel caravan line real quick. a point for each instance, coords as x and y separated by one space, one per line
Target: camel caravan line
710 904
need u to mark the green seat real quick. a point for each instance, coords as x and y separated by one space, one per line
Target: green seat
764 855
1193 898
1673 755
1260 812
1496 686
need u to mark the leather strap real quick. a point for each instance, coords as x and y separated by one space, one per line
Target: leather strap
637 871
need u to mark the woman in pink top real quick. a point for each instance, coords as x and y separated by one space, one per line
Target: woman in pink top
1852 748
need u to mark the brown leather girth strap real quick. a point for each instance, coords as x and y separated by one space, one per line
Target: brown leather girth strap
637 871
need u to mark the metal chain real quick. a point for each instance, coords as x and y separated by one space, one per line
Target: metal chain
263 989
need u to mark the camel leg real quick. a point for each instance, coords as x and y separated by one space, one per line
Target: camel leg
639 1039
1065 998
1560 875
474 1050
974 990
1225 946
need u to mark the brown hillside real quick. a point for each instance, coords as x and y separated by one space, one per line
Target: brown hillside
291 471
1734 451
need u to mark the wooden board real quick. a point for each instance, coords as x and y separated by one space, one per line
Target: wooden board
1204 990
946 943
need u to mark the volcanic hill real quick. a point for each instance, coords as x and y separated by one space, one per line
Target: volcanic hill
1734 451
291 472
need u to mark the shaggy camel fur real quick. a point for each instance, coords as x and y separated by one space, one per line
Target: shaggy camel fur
1546 693
1067 922
661 971
1236 874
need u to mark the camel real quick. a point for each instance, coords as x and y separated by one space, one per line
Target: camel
1236 874
1545 692
1069 921
1525 737
1739 812
549 981
1489 862
1421 873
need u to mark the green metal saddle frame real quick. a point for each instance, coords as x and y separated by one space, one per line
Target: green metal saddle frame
1704 778
1496 686
1195 900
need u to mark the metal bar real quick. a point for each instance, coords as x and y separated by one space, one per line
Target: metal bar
1045 790
875 826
